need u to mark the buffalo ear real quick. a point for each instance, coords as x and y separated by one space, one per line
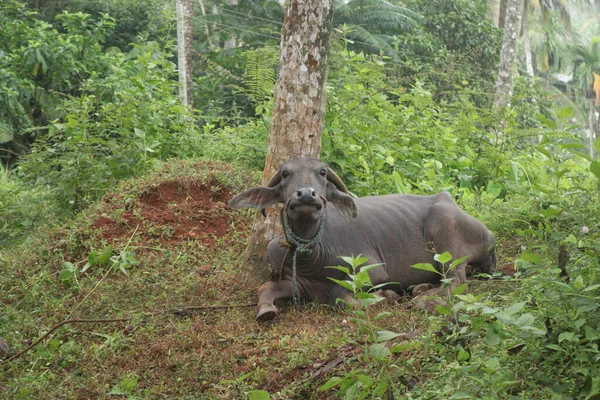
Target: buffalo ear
344 202
258 197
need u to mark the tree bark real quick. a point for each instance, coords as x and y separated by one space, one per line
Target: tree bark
502 14
504 84
185 11
526 41
494 11
298 111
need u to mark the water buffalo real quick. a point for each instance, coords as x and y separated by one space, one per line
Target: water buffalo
324 222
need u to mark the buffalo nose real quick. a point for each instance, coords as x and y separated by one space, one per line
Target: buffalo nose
306 193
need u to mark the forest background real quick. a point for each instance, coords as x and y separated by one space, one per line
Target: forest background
89 99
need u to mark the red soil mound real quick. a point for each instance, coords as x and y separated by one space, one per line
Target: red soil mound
170 213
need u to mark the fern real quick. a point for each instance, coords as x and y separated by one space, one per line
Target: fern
259 74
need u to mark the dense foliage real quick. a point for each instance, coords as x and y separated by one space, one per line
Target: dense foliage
89 100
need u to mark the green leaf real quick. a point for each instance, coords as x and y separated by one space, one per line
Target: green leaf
443 258
379 351
443 310
344 284
331 383
345 270
460 290
595 168
425 267
259 395
555 347
566 336
597 145
565 112
543 150
492 338
458 261
532 258
462 355
384 336
404 347
514 308
459 396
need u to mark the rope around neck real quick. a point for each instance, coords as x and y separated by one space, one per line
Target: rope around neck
302 246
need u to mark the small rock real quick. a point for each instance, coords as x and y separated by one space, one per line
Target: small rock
4 348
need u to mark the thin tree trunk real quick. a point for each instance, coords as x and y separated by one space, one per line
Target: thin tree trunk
494 11
207 31
526 41
298 111
184 50
502 14
504 84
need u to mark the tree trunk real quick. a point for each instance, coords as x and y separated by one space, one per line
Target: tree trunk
494 11
298 111
502 14
504 84
184 50
526 41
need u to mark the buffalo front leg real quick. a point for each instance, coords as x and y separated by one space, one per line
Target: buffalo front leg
268 293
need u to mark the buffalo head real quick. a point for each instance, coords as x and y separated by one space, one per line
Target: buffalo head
304 185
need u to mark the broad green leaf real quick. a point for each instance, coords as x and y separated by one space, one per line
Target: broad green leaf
384 336
459 396
525 320
532 258
578 284
259 395
443 258
514 308
462 355
425 267
404 347
594 389
333 382
379 351
458 261
443 310
345 270
460 290
597 145
565 112
555 347
566 336
544 151
364 379
592 287
492 338
344 284
595 168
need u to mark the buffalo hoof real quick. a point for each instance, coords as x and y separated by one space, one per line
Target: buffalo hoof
266 313
391 296
427 303
422 288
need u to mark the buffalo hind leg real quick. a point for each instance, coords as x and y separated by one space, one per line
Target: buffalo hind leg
268 293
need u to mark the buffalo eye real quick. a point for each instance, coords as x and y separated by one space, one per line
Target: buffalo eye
323 172
285 174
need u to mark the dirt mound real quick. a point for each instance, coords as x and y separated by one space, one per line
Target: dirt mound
168 213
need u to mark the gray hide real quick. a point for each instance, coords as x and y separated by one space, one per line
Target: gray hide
395 230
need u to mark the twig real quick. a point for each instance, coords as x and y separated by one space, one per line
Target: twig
54 328
184 311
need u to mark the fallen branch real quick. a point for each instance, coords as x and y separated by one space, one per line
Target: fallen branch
185 311
55 327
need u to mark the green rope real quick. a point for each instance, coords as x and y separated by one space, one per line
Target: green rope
302 246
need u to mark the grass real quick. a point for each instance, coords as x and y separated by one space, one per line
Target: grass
184 249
